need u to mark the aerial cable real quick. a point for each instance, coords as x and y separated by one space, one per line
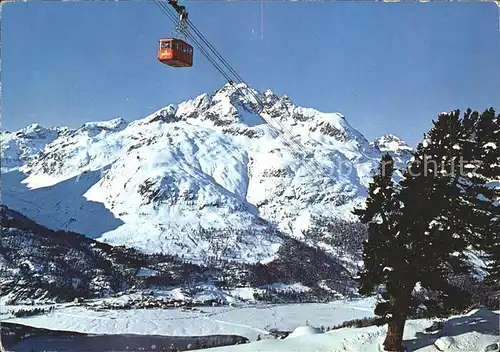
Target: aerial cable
168 12
212 60
218 55
291 143
259 102
270 121
173 18
210 46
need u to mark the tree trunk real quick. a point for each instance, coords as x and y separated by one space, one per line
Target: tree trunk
394 339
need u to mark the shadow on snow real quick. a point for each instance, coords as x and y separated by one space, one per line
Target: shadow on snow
61 206
481 321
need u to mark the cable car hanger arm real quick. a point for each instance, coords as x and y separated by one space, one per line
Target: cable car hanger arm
181 10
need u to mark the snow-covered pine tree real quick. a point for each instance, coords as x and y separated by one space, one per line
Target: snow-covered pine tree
382 255
432 222
439 219
420 230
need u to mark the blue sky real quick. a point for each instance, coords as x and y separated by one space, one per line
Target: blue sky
388 67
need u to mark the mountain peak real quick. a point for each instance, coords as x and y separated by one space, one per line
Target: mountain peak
391 143
115 124
34 129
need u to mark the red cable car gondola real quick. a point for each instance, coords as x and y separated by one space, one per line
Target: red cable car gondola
175 53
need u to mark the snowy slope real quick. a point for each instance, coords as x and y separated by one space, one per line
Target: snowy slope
471 332
207 163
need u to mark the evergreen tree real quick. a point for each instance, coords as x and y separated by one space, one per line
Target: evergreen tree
381 248
433 227
420 233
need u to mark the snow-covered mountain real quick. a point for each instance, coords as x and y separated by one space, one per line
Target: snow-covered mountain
19 147
206 177
395 147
